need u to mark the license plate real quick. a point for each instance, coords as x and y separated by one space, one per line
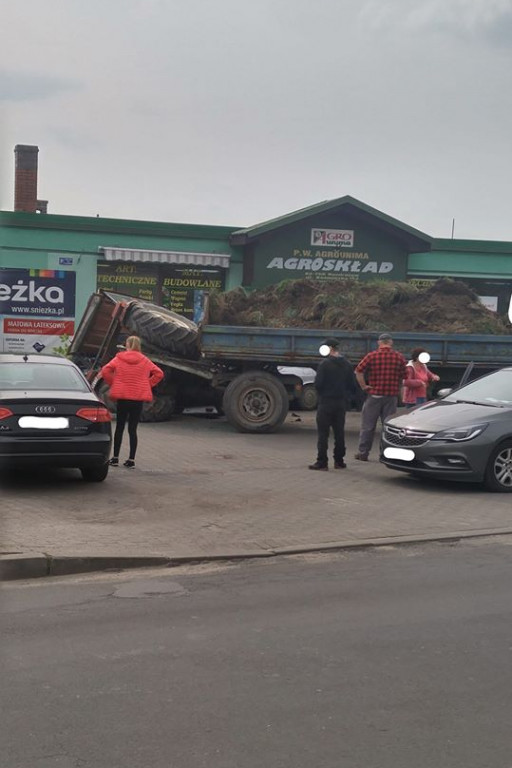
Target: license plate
405 454
43 422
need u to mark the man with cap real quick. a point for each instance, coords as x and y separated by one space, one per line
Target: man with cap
336 384
380 374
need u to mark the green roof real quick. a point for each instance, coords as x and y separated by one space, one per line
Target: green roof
120 226
347 202
472 246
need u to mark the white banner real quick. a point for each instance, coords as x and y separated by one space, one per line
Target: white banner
23 335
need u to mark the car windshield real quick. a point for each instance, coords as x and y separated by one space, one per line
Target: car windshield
495 389
41 376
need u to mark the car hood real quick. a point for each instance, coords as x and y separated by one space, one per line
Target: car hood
444 414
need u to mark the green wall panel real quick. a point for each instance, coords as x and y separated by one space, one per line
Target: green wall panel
312 248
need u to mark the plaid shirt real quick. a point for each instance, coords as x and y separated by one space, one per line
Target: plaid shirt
384 369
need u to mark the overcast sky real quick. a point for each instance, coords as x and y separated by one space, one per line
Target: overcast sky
236 111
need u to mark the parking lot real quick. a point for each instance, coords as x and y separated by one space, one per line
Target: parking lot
201 490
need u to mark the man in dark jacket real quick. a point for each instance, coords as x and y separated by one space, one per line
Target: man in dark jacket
336 384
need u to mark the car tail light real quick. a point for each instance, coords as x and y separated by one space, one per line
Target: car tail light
5 413
94 414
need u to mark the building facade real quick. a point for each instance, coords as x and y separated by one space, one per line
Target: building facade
46 257
50 264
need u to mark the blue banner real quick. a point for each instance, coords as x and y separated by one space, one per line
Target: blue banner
37 292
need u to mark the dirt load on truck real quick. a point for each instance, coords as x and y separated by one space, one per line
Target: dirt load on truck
446 306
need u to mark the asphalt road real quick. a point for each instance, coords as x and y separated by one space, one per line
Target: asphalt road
390 658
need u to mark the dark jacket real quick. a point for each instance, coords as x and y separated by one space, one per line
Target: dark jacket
335 380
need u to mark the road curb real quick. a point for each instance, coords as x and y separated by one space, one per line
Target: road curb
19 566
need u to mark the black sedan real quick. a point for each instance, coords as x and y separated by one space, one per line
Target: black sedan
467 435
50 416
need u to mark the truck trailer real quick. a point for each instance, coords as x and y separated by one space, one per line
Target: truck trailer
237 369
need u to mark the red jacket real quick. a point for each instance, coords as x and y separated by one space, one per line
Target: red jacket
131 376
415 382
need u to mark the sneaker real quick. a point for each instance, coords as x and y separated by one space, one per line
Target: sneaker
361 457
129 464
114 462
316 465
340 465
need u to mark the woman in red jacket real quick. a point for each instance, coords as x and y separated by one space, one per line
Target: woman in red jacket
131 377
417 379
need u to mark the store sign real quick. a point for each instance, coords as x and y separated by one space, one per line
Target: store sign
22 335
333 238
184 288
335 266
133 279
42 292
178 287
37 309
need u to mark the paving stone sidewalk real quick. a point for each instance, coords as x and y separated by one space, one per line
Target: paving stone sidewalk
202 490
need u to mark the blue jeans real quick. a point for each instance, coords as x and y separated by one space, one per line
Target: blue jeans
419 401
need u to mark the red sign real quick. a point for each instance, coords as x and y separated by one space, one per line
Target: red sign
28 327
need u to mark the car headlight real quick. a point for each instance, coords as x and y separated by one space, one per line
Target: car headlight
460 434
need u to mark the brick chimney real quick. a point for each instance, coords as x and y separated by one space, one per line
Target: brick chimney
25 178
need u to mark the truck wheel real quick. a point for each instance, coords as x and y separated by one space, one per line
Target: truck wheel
163 329
255 402
498 473
161 408
308 399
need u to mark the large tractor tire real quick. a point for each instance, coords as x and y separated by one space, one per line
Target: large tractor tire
102 390
255 401
161 408
163 329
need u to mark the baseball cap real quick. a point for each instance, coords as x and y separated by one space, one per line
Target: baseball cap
332 342
385 337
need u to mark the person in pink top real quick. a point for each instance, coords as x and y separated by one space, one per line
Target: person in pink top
131 377
417 379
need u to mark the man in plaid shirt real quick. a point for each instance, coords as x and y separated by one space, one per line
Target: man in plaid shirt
380 375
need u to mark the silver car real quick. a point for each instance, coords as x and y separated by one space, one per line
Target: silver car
465 436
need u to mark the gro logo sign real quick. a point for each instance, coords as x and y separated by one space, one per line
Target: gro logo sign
335 238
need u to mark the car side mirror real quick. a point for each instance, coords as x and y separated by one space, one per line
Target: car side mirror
443 393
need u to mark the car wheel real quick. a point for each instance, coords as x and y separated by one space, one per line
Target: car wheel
498 473
95 474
